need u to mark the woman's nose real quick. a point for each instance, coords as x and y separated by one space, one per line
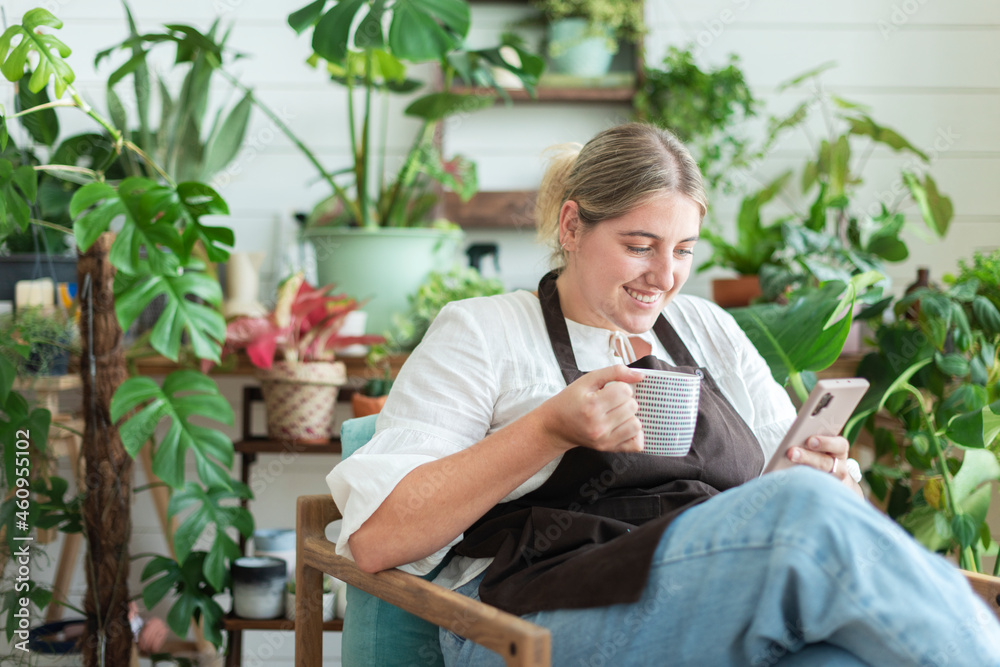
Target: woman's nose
661 274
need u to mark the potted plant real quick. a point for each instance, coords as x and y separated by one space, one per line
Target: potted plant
370 398
703 108
51 336
934 413
377 235
330 599
755 245
838 236
293 350
834 238
583 35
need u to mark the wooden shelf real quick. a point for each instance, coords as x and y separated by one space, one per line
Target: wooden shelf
230 622
48 383
157 365
560 94
265 446
490 210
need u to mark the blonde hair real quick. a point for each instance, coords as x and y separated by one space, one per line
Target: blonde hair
615 172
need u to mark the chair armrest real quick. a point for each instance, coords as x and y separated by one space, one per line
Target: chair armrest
516 640
986 587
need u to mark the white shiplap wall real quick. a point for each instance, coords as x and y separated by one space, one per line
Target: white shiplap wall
928 68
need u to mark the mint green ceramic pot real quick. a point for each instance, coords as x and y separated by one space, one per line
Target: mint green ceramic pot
381 266
572 51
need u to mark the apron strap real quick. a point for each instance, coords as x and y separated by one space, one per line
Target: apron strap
672 343
548 295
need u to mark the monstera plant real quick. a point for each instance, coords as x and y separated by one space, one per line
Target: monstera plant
157 252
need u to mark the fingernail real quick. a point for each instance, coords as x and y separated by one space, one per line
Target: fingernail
795 454
813 443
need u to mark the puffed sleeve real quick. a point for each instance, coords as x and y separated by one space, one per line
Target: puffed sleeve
441 402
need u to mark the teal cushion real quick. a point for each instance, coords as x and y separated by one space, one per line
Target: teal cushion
377 633
356 432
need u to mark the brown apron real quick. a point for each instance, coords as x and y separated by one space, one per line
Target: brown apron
586 537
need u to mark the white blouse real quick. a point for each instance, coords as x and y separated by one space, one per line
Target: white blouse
487 361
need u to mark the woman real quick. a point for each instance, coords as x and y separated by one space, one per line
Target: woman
510 446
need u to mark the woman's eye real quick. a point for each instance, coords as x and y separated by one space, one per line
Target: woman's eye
685 252
639 250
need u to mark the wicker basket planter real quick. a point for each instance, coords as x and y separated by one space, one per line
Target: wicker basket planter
300 399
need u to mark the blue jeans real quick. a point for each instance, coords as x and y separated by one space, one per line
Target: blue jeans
791 569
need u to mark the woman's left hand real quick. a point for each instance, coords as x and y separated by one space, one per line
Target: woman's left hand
827 453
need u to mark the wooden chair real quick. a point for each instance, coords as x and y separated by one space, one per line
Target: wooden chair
516 640
519 642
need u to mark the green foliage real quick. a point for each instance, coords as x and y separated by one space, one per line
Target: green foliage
440 288
195 594
807 334
189 143
38 596
184 394
161 218
18 187
55 510
46 47
208 509
48 199
48 335
19 422
756 243
850 236
378 386
369 62
936 373
702 107
985 268
160 250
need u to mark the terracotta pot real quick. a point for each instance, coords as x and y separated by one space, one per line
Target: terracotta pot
735 292
300 399
366 405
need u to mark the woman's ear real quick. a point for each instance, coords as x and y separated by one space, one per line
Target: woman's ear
569 225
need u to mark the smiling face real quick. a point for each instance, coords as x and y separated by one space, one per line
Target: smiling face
621 272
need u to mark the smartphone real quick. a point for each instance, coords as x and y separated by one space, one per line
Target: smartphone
825 412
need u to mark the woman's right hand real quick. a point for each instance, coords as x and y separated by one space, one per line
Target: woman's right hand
596 411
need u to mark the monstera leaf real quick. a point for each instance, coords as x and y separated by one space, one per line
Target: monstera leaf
50 51
184 394
101 203
210 508
204 325
194 599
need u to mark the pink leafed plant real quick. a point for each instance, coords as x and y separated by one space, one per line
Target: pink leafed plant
303 327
